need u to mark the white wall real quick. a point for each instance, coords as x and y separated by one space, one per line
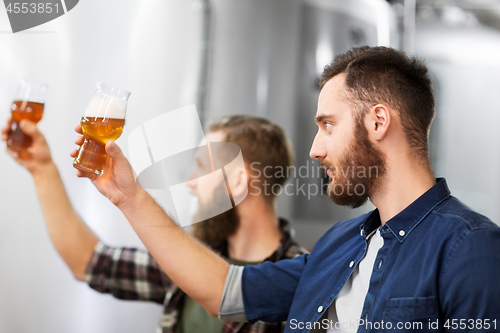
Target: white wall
147 47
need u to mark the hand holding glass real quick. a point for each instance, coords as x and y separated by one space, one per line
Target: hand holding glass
103 120
28 104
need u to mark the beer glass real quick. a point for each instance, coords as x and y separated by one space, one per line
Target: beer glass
28 104
103 120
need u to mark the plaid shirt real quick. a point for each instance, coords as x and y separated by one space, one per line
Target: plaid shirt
133 274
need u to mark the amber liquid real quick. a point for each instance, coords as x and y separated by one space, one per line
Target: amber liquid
18 141
96 132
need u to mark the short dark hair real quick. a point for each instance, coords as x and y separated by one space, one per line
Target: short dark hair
260 141
387 76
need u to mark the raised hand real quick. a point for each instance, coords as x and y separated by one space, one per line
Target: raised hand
117 182
39 152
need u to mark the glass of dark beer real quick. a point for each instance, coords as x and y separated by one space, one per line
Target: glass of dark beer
103 120
28 104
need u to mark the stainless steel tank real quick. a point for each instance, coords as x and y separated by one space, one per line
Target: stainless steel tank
329 28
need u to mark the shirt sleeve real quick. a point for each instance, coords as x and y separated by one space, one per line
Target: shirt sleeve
126 273
470 289
231 307
268 289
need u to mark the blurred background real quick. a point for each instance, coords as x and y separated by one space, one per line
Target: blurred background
259 57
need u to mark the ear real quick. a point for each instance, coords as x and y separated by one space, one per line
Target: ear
378 121
238 183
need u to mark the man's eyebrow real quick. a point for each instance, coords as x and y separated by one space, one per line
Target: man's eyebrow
319 118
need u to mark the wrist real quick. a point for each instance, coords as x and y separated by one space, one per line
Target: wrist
44 171
130 203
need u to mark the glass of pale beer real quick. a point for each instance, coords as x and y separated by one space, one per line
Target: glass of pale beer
28 104
103 120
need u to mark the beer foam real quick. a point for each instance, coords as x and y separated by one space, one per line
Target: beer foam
105 106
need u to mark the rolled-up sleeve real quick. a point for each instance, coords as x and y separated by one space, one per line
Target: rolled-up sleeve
126 273
231 307
264 292
268 289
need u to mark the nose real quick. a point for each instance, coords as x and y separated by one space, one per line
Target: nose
191 180
318 151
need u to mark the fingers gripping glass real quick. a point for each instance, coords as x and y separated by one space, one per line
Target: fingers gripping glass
28 104
103 120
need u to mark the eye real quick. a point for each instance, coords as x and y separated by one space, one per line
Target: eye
328 126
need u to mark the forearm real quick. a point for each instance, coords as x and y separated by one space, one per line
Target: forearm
193 267
71 237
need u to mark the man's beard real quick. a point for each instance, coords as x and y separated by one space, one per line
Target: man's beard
218 228
357 173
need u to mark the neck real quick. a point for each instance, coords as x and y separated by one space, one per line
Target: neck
403 183
258 235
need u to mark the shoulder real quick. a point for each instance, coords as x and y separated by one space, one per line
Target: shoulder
459 226
453 212
466 235
469 244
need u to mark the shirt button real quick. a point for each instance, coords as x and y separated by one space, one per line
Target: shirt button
401 233
380 264
320 308
351 264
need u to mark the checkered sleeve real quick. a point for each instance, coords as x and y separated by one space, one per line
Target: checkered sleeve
126 273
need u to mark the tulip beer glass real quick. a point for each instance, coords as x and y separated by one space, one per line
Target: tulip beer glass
28 104
103 120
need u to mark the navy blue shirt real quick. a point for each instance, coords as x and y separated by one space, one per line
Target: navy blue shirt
438 270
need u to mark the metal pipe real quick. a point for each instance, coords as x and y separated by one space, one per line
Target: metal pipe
201 99
410 8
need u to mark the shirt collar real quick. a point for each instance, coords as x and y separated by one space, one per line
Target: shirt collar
403 223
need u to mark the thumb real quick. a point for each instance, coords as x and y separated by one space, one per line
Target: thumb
114 151
120 162
30 129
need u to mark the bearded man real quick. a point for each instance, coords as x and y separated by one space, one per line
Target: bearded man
248 234
421 261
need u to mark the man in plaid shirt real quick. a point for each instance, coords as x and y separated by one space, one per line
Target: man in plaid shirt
250 233
132 274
